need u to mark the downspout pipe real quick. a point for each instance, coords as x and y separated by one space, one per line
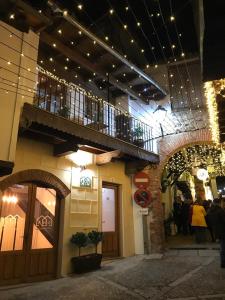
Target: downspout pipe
73 22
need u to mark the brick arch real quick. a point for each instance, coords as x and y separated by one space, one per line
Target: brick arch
167 147
36 175
170 145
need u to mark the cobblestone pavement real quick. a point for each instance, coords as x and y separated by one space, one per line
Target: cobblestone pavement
178 274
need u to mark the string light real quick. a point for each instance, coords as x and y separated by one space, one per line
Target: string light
212 88
59 31
80 6
172 18
12 17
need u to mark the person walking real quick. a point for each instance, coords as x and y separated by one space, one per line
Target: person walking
185 216
177 210
216 218
198 221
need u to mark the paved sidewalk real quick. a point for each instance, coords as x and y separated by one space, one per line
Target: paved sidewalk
178 274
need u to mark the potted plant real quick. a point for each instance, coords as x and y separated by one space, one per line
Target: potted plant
138 136
95 237
64 111
89 262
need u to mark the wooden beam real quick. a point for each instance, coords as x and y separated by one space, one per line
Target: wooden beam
6 167
134 166
107 157
65 148
36 20
75 56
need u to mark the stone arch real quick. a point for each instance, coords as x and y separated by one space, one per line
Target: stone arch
38 176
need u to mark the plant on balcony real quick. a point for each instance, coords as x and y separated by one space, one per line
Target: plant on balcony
137 134
64 111
89 262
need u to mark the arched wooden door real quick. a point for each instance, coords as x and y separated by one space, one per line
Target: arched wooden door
29 230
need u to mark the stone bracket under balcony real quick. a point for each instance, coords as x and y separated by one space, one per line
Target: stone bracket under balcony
59 131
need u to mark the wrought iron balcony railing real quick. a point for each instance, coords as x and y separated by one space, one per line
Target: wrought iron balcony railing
73 103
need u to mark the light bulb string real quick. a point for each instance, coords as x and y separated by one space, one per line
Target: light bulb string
143 33
122 23
181 47
36 90
163 55
127 82
177 68
18 37
179 121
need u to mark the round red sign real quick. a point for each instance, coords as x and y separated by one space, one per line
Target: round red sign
142 197
141 180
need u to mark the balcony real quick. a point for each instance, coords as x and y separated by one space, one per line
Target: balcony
69 117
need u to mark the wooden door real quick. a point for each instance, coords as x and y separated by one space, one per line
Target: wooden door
28 234
110 221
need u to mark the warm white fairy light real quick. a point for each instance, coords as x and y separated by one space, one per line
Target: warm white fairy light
80 6
12 17
111 11
210 95
59 31
172 18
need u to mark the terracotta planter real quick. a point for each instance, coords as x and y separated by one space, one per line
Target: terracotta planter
86 263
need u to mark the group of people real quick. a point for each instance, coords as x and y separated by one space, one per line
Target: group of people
196 217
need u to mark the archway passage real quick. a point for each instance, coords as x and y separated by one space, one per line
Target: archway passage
190 174
30 205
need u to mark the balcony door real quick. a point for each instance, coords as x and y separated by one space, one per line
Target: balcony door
28 234
110 221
